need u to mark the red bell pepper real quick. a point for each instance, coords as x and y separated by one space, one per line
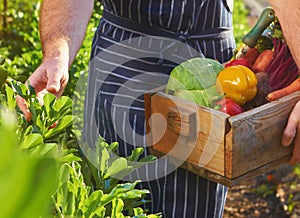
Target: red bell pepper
229 106
239 61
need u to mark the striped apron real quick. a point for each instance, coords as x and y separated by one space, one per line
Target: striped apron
135 47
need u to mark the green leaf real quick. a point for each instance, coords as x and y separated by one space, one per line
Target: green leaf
26 186
33 112
138 211
42 187
113 146
135 193
31 90
64 174
117 207
117 167
92 202
10 98
149 158
98 212
8 140
45 149
63 103
104 157
203 97
135 154
61 126
68 158
194 74
31 140
69 204
2 60
21 89
49 100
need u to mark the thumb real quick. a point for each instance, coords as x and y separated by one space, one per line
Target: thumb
53 83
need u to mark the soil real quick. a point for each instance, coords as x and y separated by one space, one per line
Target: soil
275 194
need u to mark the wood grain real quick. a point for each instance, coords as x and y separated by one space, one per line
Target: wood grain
224 149
205 148
255 136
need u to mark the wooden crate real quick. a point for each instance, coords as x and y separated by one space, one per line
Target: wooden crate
225 149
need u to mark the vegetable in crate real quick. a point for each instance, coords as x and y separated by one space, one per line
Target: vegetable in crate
238 83
240 61
194 74
263 61
194 80
251 55
203 97
263 89
229 106
282 70
293 87
275 60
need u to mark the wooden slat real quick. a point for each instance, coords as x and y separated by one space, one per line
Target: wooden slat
255 136
229 182
223 149
205 148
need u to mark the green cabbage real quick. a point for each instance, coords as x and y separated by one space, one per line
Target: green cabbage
194 74
204 97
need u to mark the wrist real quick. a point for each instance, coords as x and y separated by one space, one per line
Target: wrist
58 49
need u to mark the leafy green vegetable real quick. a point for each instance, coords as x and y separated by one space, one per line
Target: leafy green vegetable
194 74
202 97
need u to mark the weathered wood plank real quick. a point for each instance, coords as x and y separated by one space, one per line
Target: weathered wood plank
214 145
229 182
255 136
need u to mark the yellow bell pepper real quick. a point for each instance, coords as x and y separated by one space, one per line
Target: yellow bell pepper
238 83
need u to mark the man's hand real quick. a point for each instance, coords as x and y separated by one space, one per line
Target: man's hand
292 133
288 15
51 76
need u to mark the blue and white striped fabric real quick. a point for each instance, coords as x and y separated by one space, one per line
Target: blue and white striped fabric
127 61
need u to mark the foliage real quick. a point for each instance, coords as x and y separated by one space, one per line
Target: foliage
69 184
21 19
51 179
22 47
26 181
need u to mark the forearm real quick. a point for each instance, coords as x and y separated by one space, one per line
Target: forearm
288 13
62 27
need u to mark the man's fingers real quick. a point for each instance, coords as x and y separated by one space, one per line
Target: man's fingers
291 133
23 107
296 151
292 126
288 134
